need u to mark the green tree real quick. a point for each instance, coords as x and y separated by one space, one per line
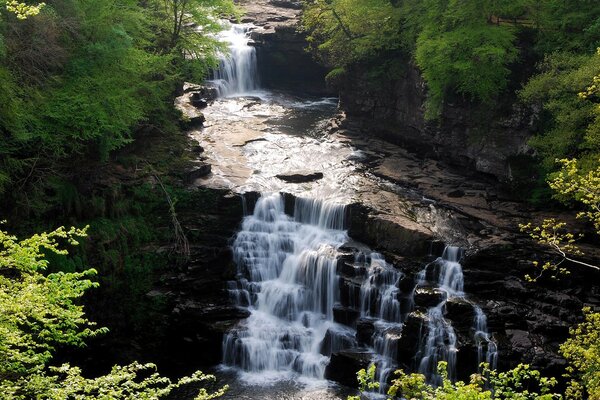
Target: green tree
40 311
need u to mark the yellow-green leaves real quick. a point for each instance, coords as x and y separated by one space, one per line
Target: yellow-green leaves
366 381
582 350
569 184
22 10
573 183
39 312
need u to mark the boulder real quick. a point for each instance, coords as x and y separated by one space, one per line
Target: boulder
365 329
461 313
193 122
199 171
414 328
300 177
344 365
345 315
335 341
198 101
427 296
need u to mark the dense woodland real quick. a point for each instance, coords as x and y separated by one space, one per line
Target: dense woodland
81 80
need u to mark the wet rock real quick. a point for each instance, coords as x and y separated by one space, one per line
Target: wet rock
349 292
395 233
197 149
461 313
301 177
456 193
414 326
365 329
206 92
343 366
193 122
199 171
407 284
426 296
519 340
345 315
198 101
335 341
296 5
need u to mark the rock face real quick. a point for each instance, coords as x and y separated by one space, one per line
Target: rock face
283 62
486 142
195 292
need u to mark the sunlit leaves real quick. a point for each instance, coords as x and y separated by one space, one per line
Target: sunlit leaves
39 312
22 10
582 350
520 383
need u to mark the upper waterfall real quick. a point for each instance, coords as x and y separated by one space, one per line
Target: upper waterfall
237 73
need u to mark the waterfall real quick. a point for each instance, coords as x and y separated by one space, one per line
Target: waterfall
237 73
287 278
487 350
292 271
440 342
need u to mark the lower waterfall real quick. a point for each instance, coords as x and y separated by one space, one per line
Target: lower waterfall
307 287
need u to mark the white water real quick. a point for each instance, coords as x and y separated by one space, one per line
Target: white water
237 74
288 280
440 344
287 271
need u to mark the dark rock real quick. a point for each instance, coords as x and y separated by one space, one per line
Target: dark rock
456 193
197 149
194 122
426 296
335 341
394 233
349 293
206 92
301 177
407 284
343 366
345 315
365 329
197 172
461 313
296 5
197 101
408 345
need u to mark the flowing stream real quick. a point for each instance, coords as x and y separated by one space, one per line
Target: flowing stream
307 284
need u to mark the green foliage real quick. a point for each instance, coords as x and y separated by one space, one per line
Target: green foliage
79 77
453 42
520 383
39 312
571 122
572 26
582 351
343 32
469 60
570 184
366 381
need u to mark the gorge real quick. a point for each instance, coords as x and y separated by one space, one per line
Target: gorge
299 199
316 302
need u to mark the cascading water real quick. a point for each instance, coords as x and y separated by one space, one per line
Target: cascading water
440 344
487 350
289 279
287 271
238 70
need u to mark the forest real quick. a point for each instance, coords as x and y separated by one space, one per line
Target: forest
94 154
